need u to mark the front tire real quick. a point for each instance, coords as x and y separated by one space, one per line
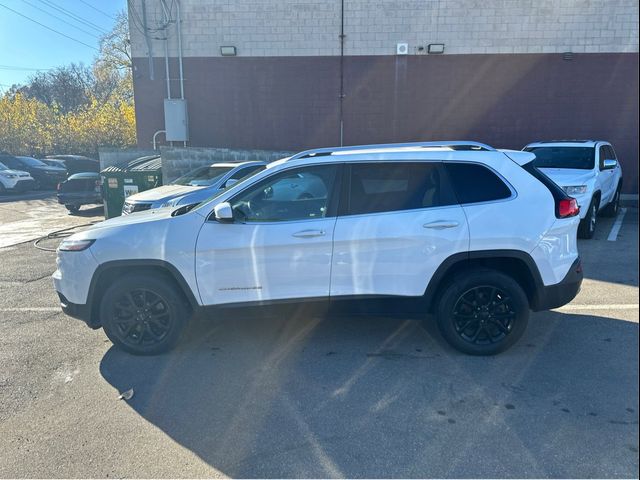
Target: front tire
482 312
612 209
587 227
72 208
143 315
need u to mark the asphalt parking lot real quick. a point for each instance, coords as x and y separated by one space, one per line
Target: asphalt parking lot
299 396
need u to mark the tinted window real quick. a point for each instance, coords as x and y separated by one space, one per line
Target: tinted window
32 162
297 194
388 187
11 162
246 172
563 157
203 176
475 183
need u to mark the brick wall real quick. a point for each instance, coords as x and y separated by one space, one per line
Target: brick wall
311 27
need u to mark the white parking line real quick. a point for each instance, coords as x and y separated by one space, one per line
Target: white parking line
612 306
31 309
613 235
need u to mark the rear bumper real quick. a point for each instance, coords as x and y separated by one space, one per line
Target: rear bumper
79 198
554 296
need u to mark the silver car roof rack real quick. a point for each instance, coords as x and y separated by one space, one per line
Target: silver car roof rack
459 145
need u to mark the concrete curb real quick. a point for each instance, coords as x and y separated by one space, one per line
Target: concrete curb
629 200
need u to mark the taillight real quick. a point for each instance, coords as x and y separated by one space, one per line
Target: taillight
58 187
568 207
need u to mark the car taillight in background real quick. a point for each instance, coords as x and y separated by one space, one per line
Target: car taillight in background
568 207
59 186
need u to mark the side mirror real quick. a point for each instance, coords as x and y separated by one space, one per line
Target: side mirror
231 182
609 163
223 212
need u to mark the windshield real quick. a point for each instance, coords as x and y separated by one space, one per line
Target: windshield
203 176
3 167
32 162
563 157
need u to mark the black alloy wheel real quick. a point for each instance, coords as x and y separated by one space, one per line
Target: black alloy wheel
482 311
483 315
143 314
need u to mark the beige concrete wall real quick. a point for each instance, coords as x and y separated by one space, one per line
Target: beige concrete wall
311 27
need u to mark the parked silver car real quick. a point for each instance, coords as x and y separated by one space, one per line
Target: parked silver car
194 187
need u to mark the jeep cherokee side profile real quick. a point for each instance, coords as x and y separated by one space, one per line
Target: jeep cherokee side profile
474 235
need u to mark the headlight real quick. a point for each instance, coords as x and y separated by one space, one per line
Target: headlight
75 245
575 190
8 175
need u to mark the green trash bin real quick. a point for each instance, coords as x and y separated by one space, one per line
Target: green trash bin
128 178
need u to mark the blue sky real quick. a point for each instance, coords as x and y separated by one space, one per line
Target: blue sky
26 45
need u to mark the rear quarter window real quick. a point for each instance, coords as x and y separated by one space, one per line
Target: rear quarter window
475 183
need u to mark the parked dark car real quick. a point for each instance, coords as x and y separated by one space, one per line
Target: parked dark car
44 175
53 163
80 189
76 163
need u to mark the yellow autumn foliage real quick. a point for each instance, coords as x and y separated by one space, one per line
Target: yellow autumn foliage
30 127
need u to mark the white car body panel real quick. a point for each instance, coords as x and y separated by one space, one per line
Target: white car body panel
395 253
264 261
389 253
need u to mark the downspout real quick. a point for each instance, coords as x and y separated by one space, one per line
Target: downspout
342 36
147 40
179 32
166 47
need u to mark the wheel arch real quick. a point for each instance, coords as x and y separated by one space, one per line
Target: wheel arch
517 264
108 272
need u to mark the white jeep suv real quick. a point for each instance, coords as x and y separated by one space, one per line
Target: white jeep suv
587 170
475 235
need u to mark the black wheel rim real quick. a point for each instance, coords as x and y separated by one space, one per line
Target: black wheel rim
483 315
141 318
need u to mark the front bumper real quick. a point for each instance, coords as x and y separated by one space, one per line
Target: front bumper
20 184
78 311
554 296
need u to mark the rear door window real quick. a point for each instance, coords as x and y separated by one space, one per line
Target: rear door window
475 183
396 186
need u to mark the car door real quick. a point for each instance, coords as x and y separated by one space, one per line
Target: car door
606 176
398 222
279 245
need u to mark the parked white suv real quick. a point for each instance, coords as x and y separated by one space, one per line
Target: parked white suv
588 171
14 180
475 235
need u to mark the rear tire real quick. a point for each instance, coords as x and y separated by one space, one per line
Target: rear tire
612 209
72 208
482 312
587 227
143 315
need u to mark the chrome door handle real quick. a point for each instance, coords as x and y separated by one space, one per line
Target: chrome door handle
309 233
441 224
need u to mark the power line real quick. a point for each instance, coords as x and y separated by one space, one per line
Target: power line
98 10
48 28
27 69
61 19
72 15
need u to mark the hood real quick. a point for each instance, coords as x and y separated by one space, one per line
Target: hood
19 173
166 192
50 169
154 215
568 176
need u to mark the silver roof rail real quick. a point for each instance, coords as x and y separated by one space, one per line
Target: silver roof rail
328 151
